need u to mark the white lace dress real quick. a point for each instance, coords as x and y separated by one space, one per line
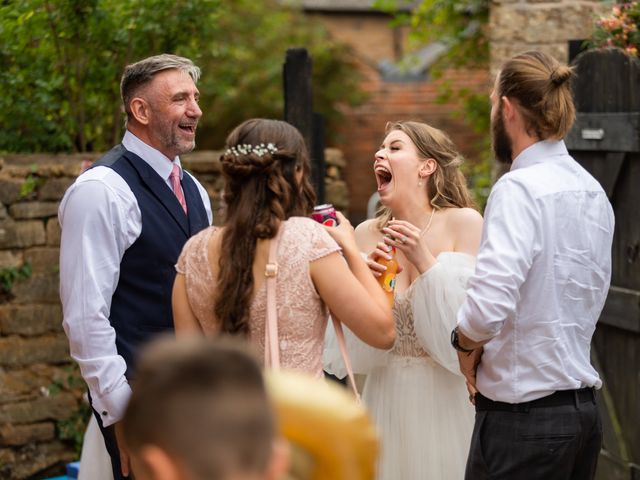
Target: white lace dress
415 392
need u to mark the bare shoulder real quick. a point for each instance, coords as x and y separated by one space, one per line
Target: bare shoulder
465 225
464 218
367 235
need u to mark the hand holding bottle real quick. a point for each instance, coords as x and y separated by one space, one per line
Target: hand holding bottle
410 240
385 267
376 260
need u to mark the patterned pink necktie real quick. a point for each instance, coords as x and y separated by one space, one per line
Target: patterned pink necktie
177 188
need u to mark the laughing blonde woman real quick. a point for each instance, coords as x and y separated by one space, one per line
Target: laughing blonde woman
415 392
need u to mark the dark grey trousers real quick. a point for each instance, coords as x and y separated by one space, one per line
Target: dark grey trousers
546 443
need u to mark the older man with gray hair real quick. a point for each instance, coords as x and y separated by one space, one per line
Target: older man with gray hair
124 222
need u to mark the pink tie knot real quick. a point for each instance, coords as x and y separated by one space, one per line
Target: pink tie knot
174 177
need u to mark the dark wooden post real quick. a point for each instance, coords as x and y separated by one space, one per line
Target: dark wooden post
317 156
298 111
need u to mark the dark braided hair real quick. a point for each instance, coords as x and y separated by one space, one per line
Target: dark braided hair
261 190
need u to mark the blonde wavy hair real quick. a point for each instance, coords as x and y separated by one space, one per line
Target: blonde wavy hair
446 186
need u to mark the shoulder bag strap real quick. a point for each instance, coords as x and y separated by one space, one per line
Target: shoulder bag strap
337 326
271 347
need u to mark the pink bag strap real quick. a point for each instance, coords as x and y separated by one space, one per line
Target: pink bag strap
337 326
271 347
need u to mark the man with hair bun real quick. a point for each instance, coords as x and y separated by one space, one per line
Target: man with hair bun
542 275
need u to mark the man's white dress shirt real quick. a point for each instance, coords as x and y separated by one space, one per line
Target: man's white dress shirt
541 278
100 219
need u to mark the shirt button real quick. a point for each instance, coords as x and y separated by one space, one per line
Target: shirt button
104 413
283 344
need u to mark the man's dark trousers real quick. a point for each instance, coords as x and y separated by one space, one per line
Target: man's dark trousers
559 442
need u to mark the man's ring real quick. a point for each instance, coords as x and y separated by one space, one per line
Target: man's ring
403 239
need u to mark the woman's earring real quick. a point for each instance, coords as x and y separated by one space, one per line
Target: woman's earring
420 182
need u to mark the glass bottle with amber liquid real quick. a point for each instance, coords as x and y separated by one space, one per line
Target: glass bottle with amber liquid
388 278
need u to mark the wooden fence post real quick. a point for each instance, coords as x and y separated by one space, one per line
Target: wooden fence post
298 111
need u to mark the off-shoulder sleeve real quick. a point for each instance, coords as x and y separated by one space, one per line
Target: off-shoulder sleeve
436 297
364 358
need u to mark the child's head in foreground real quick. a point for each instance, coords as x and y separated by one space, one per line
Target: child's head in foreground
199 411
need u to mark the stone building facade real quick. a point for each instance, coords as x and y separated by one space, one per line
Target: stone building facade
547 25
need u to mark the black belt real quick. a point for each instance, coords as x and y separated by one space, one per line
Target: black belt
561 397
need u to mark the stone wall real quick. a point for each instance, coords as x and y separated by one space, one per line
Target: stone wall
42 409
547 25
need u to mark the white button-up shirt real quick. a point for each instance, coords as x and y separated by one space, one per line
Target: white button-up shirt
541 278
100 219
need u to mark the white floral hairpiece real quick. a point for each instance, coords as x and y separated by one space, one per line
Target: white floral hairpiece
246 148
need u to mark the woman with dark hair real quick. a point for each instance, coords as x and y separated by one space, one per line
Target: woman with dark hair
415 391
220 286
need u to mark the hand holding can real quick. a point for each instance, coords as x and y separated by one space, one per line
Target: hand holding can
325 214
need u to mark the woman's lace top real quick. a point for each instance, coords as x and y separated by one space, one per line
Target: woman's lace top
302 315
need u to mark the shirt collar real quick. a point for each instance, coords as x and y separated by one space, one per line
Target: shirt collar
539 152
156 159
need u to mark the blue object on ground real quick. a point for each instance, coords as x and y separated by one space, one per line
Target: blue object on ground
72 470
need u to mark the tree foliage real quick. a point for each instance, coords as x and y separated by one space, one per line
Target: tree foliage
62 61
461 25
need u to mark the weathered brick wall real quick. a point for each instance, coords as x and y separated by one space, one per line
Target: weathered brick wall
41 394
547 25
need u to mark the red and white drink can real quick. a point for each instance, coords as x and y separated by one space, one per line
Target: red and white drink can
325 214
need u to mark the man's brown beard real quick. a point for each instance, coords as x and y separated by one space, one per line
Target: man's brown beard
501 142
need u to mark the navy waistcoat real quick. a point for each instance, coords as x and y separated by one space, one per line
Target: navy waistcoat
141 304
